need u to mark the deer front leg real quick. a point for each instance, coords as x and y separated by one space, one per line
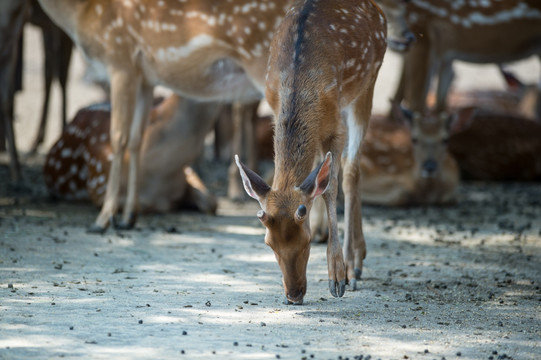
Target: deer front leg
142 111
354 243
124 87
335 259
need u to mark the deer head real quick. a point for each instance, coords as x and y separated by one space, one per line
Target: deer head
285 215
399 35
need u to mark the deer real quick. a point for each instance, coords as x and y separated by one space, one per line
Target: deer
324 61
77 166
406 162
13 15
473 31
206 50
491 146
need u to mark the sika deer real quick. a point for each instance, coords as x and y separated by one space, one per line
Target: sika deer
480 32
205 49
406 163
324 61
77 166
496 147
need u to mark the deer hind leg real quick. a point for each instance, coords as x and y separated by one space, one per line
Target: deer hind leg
358 115
124 88
140 118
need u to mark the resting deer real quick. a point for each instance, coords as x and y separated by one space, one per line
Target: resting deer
496 147
324 61
13 15
406 162
77 166
472 31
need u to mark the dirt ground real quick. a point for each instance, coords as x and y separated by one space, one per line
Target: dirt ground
457 283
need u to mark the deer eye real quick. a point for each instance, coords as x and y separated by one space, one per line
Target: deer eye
414 140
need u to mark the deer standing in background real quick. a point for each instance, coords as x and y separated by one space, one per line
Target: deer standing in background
13 15
473 31
77 166
323 65
205 49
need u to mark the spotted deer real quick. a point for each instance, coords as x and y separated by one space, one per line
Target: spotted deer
405 161
324 61
204 49
488 31
78 164
493 146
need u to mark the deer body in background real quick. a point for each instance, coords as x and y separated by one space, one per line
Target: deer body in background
13 15
496 147
77 166
324 62
475 32
203 49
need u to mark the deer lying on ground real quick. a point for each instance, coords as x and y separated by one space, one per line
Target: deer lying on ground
406 162
496 147
324 61
471 31
77 166
13 14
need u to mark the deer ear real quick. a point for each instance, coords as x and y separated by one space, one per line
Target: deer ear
513 83
254 185
401 113
318 181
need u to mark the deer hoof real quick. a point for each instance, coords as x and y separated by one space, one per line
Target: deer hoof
358 273
121 225
353 284
96 229
337 288
287 302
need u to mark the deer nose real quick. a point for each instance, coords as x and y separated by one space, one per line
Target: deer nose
409 36
429 167
294 297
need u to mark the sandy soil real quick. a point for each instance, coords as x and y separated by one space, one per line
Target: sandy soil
455 283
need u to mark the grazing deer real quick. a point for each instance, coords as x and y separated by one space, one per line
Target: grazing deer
57 47
13 15
406 162
473 31
205 49
496 147
77 166
324 61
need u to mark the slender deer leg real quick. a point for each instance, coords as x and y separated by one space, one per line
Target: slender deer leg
140 118
234 190
335 258
445 77
358 116
124 87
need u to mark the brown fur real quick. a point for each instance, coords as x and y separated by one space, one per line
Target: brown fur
318 67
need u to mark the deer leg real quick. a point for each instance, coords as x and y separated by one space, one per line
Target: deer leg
234 190
65 47
445 77
354 248
124 87
142 110
197 194
335 258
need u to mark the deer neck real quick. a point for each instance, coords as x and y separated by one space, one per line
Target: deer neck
295 143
